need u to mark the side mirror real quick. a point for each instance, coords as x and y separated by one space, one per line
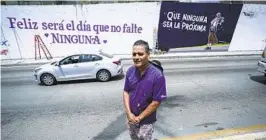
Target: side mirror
57 64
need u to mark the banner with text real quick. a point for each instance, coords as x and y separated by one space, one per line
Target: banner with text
187 25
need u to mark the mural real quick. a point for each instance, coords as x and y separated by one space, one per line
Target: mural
79 30
197 26
54 31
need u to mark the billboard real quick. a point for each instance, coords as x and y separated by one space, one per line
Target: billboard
186 26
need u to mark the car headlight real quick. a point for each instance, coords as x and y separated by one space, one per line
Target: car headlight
37 70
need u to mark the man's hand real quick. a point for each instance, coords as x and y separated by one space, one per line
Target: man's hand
131 118
149 110
138 119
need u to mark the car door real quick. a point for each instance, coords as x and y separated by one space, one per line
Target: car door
88 65
68 68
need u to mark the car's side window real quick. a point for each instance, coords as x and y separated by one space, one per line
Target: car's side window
75 59
96 58
85 58
70 60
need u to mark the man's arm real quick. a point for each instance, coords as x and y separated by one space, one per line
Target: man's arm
148 111
126 102
130 115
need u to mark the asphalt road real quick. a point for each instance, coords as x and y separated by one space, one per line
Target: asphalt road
204 94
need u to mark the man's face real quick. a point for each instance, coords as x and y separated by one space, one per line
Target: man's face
140 56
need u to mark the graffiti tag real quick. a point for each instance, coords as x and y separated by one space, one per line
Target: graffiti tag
4 52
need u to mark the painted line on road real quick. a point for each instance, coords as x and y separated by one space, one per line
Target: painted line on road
220 133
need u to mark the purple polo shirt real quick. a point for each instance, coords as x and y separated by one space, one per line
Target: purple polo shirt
143 90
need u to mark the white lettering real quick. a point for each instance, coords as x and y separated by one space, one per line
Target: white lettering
170 15
168 24
195 18
193 27
173 16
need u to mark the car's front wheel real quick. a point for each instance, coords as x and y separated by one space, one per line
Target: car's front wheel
103 75
48 79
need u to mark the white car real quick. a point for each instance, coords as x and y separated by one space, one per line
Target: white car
99 66
262 63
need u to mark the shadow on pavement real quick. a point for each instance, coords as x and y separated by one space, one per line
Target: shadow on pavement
171 103
114 129
260 79
118 126
174 101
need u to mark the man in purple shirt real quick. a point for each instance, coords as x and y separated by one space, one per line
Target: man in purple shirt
144 90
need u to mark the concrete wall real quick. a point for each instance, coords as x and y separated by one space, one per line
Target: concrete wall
250 32
17 38
112 27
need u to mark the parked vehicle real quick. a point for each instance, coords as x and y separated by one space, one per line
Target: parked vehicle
262 63
99 66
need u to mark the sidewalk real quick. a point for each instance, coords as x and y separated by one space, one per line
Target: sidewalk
249 136
255 132
261 135
23 62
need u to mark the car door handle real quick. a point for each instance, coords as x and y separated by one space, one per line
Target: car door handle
97 64
76 66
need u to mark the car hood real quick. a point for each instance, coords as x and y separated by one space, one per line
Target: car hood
47 65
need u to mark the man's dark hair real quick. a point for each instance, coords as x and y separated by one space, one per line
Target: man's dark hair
144 44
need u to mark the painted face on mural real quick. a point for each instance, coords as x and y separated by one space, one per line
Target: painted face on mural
140 56
219 15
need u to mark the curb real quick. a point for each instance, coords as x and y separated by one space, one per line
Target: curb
153 56
199 55
254 132
256 135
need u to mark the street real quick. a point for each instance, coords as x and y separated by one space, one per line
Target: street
204 94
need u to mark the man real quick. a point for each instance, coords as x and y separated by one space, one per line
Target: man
212 38
144 90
